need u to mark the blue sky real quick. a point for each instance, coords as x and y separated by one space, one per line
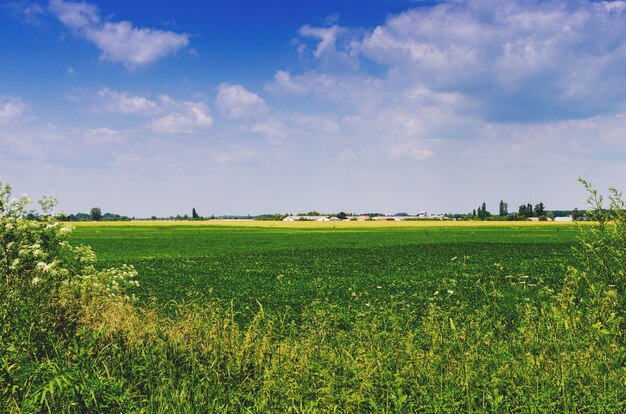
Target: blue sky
240 107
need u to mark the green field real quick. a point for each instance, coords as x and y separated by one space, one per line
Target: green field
313 318
358 266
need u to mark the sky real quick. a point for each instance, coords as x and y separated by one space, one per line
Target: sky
287 106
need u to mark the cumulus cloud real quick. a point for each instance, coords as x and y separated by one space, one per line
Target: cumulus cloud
119 42
336 47
236 102
189 117
167 115
524 60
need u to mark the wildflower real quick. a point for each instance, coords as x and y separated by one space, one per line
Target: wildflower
379 287
35 280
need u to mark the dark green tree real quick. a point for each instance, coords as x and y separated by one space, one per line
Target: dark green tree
194 215
539 210
95 214
342 215
522 210
504 208
575 214
482 211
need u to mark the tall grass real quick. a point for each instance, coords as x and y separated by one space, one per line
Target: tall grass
103 353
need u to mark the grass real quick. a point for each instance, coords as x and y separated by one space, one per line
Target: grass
307 318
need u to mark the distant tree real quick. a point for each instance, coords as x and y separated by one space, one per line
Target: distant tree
194 215
474 213
575 214
313 213
539 210
95 214
504 208
529 210
482 211
153 218
342 215
522 210
550 215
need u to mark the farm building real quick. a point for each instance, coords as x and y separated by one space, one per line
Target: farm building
306 218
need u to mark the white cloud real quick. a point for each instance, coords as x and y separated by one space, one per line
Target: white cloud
337 47
75 15
190 117
523 60
106 135
235 102
118 41
410 150
270 128
11 110
125 103
28 12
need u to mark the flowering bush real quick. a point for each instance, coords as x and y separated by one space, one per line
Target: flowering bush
46 282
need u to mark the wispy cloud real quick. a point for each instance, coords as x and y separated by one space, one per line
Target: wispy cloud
125 103
11 110
119 42
26 11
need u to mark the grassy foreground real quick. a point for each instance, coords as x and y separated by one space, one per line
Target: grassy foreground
463 320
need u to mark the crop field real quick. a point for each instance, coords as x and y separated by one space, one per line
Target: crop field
359 267
314 317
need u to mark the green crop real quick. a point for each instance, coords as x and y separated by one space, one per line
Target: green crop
294 319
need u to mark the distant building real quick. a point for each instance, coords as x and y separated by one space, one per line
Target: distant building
306 218
563 219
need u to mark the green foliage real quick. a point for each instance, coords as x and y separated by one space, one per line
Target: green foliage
481 339
45 285
95 214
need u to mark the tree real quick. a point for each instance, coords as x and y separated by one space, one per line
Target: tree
194 215
504 208
575 214
482 211
95 214
529 210
539 210
522 210
342 215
